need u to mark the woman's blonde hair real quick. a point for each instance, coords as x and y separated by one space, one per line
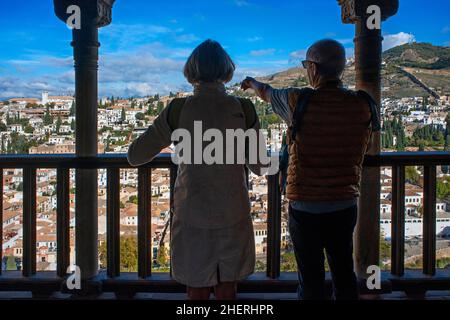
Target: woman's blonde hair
209 62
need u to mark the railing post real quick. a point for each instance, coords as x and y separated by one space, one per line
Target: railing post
398 221
113 222
29 222
429 220
144 223
63 221
273 227
173 179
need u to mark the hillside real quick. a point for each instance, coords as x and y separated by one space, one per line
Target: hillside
419 55
416 69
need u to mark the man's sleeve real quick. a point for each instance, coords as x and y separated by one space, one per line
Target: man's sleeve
280 104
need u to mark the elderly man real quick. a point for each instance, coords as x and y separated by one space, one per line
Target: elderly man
329 133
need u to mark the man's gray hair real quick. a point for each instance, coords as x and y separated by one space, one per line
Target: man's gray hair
329 55
209 62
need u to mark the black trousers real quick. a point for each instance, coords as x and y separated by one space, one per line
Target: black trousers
330 233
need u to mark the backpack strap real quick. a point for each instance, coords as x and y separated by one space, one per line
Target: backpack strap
249 111
176 106
302 104
375 117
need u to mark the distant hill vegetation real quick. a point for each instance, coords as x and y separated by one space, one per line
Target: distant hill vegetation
419 55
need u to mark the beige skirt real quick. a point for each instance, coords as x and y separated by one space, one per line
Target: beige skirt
204 257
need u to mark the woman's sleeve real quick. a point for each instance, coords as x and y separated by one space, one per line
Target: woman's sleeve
157 137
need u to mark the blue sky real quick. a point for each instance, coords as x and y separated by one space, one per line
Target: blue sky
144 49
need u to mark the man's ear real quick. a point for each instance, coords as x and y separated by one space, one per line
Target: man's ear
311 73
313 70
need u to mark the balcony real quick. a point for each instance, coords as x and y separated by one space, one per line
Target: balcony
41 284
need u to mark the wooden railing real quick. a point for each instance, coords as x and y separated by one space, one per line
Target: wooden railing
272 281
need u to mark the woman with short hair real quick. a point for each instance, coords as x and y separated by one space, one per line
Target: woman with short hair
212 240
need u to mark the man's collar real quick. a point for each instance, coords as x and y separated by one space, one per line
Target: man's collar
329 83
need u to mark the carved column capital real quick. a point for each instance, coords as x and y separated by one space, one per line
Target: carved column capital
356 10
97 12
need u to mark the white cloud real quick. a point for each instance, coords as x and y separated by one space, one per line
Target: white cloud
136 66
254 39
394 40
12 87
187 38
145 70
345 41
125 36
263 52
297 56
242 3
242 72
445 29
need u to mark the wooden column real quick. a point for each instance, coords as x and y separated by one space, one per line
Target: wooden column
94 14
368 58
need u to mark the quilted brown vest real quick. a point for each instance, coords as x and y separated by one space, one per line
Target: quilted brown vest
325 162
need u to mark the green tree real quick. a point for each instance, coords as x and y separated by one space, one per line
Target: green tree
443 189
58 124
11 264
29 129
288 262
133 199
108 144
140 116
18 144
48 119
385 250
72 109
260 266
3 145
412 175
128 254
123 115
163 257
159 107
3 127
